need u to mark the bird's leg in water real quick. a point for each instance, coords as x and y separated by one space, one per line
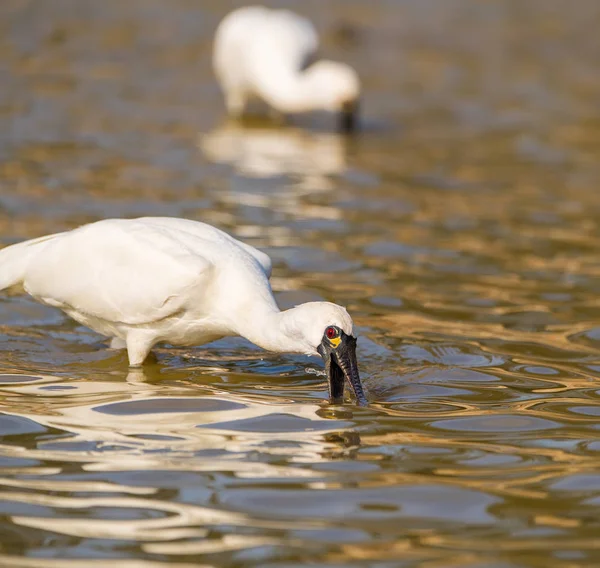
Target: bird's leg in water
139 343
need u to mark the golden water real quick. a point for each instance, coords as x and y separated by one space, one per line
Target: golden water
460 228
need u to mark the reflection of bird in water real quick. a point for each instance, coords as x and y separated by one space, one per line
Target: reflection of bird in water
263 54
145 281
269 152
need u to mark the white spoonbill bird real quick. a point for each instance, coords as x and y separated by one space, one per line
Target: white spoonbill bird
160 279
264 54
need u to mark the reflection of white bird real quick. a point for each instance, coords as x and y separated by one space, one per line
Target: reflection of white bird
262 53
266 152
143 281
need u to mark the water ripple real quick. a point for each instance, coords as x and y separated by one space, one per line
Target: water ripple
459 227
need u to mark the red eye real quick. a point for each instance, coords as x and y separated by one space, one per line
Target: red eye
331 332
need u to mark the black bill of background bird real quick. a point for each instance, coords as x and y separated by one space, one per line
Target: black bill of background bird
349 116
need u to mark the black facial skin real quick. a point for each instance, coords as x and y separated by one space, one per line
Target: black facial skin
349 117
341 365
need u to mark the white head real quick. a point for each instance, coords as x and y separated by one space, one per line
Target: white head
307 323
334 84
334 87
326 329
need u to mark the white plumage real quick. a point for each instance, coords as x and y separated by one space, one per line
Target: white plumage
143 281
262 53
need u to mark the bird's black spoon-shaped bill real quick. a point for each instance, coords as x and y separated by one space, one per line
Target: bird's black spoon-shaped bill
341 366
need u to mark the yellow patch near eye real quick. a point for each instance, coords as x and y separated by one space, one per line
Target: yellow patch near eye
335 341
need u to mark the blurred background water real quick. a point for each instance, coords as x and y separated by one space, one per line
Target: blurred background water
460 228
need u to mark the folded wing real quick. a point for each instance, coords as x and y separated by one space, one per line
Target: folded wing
123 271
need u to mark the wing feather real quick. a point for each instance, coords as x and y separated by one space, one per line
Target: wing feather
208 232
131 272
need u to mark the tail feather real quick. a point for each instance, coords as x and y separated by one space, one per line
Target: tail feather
14 260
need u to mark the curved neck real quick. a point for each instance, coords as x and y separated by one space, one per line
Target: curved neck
288 90
273 330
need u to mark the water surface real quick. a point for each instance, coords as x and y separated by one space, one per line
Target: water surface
459 228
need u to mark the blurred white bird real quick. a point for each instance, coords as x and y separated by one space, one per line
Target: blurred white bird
158 279
262 53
